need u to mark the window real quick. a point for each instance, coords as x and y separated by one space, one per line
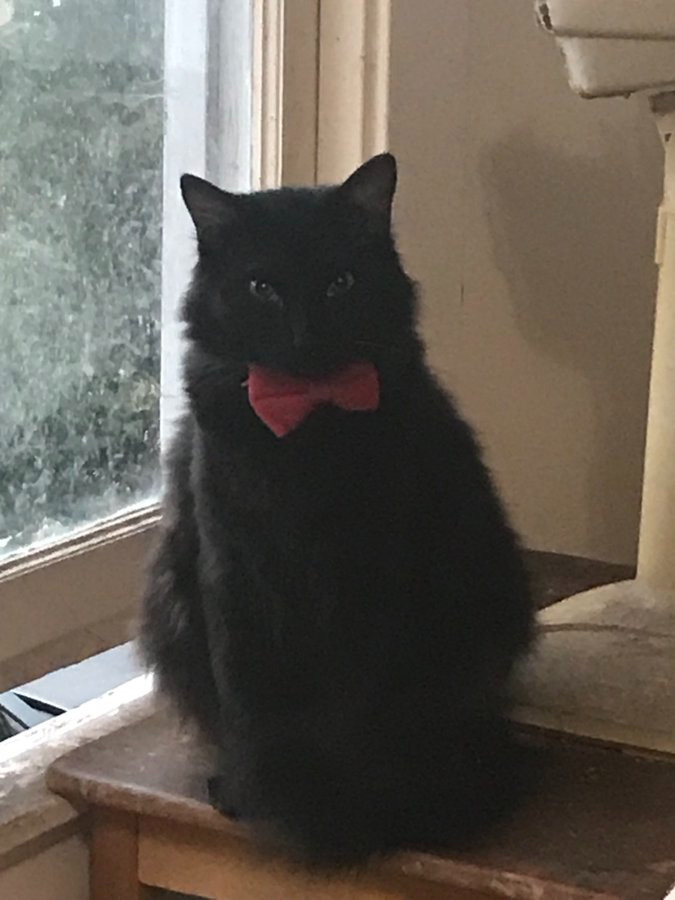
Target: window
105 104
80 262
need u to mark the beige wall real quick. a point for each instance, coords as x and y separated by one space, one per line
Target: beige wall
59 873
528 216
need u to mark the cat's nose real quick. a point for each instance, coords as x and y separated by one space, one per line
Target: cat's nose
300 332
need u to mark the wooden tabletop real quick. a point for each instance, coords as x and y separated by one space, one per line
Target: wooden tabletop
602 823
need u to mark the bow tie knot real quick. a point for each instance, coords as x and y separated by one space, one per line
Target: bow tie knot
284 401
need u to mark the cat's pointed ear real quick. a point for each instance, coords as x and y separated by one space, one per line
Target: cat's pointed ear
371 187
208 206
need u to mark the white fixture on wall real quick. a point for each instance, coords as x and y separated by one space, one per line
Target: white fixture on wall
605 663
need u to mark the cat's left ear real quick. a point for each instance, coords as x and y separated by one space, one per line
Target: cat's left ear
208 206
371 188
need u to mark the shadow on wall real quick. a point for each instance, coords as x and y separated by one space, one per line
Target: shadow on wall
574 239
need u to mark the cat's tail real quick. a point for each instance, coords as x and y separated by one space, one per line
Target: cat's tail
324 822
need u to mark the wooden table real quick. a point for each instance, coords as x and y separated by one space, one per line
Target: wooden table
602 824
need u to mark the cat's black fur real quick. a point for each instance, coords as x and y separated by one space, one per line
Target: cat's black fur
340 609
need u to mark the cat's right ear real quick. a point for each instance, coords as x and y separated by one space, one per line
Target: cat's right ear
208 206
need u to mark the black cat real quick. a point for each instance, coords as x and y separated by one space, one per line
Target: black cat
338 599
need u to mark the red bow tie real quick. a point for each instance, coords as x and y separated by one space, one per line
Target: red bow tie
284 401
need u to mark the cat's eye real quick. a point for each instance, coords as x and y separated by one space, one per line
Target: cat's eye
341 285
263 290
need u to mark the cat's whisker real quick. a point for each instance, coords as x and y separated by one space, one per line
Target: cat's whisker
220 374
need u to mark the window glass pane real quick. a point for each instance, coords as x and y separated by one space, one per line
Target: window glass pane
81 130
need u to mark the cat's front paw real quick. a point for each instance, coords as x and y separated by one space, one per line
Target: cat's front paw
218 797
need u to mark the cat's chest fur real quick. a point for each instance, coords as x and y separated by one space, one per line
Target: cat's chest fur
344 487
315 547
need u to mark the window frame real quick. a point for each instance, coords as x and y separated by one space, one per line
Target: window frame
70 600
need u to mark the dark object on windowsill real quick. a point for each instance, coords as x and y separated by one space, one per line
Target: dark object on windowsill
17 715
57 692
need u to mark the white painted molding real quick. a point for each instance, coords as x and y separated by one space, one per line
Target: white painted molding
354 45
285 92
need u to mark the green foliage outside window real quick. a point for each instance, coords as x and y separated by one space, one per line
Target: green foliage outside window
81 124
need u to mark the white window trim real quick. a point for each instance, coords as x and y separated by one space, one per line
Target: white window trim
353 103
80 596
